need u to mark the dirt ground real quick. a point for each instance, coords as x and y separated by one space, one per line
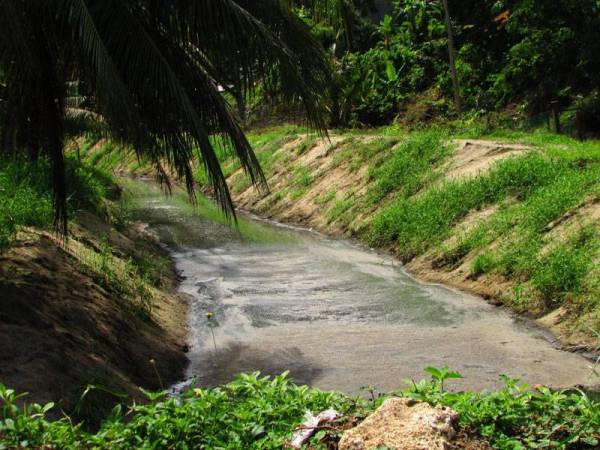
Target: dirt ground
473 156
63 328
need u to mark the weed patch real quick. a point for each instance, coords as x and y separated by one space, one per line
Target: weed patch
26 193
255 412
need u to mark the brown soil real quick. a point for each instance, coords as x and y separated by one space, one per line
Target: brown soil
63 327
475 156
328 175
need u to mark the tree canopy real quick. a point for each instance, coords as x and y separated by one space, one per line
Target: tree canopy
151 71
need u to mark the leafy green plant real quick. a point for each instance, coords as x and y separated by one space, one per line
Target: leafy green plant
255 412
251 412
441 375
518 417
484 263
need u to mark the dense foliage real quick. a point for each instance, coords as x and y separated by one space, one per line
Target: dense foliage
25 192
262 413
539 53
518 417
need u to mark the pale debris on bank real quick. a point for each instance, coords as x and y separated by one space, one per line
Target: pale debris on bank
403 424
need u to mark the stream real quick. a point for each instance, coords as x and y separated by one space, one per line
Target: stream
336 316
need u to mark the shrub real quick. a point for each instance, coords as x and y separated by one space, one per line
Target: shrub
255 412
25 193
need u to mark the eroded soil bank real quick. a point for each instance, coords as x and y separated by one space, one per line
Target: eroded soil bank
80 312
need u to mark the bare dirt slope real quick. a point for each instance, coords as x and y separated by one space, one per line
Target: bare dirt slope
64 326
473 156
289 201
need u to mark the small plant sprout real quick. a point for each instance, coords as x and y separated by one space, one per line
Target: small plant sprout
371 390
211 325
153 364
441 375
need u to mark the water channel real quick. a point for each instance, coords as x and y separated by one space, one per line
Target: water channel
335 315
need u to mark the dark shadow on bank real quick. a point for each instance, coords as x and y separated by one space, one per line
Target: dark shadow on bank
225 364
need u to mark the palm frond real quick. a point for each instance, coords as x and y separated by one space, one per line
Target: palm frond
152 71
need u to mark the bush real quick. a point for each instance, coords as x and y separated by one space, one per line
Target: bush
26 193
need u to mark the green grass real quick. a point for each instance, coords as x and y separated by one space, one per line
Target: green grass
326 197
302 176
409 167
255 412
26 194
341 208
132 280
547 185
356 153
484 263
302 179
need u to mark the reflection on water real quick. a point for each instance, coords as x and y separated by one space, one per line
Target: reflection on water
336 316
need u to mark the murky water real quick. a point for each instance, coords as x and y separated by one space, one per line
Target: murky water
337 316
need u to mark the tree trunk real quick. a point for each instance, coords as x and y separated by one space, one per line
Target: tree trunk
241 104
453 74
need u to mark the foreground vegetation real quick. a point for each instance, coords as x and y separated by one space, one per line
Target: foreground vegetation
262 412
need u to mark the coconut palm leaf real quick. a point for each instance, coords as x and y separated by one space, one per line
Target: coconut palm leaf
152 70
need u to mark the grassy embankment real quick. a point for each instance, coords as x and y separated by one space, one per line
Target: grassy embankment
98 308
518 225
